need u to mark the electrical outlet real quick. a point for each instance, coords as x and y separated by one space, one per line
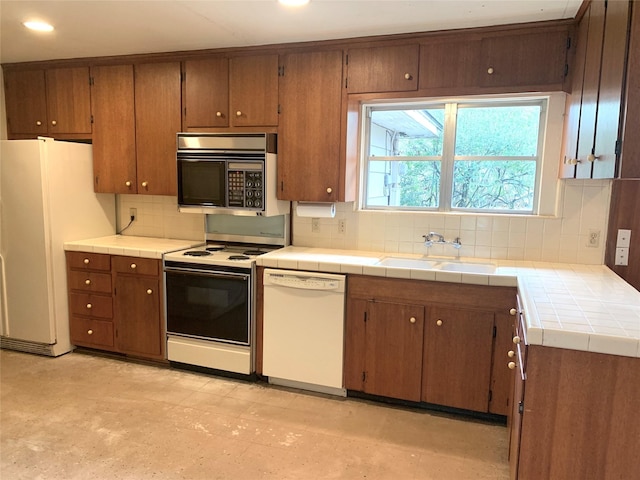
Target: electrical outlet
315 225
624 238
133 213
622 256
594 238
342 226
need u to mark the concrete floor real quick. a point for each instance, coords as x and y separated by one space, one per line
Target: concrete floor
87 417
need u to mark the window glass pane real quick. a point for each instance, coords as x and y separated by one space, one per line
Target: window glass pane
403 184
494 185
498 131
406 132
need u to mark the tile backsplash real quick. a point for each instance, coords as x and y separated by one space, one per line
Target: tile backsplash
584 206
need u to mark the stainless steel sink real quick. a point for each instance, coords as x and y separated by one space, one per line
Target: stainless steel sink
467 267
442 265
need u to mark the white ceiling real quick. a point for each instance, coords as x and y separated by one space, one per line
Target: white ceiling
115 27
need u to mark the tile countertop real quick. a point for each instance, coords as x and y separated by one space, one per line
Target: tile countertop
129 245
579 307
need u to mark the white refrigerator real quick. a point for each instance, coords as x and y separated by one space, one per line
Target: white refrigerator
46 199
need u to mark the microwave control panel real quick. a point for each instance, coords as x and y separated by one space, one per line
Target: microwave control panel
246 187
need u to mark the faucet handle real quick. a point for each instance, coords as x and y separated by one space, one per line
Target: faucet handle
457 243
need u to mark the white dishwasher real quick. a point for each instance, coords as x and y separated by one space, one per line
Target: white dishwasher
303 330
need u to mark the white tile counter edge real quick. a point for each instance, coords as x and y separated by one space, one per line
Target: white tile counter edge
578 307
129 245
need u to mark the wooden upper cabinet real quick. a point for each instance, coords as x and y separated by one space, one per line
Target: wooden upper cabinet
449 64
68 100
48 102
206 93
253 92
114 132
383 69
309 165
630 156
26 102
158 120
523 59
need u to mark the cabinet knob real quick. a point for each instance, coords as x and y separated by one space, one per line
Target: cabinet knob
592 158
490 70
89 306
54 123
511 354
513 311
144 184
516 339
218 114
86 261
408 76
511 365
133 266
90 332
412 319
127 183
38 123
87 282
149 291
238 113
329 189
573 161
439 322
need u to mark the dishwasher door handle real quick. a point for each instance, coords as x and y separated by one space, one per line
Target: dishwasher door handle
303 283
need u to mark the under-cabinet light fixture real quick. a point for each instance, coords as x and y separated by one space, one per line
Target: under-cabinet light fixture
38 26
293 3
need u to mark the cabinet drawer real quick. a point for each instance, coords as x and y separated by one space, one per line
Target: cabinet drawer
137 265
89 261
90 305
90 281
90 331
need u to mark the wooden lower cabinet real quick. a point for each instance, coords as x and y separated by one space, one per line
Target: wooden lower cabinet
406 339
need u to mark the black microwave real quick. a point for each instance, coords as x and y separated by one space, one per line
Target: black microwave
228 173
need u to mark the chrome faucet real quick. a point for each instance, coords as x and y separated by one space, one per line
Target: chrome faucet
437 238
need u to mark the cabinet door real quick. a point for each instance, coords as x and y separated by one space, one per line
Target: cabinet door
457 358
157 100
355 343
449 64
137 315
382 69
26 102
523 59
253 91
393 356
114 140
614 50
309 144
68 100
501 376
206 93
630 158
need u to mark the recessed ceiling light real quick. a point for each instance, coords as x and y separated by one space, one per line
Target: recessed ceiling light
39 26
293 3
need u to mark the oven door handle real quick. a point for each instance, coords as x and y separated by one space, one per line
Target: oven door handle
206 273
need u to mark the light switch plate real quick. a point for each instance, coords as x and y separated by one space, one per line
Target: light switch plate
624 239
622 256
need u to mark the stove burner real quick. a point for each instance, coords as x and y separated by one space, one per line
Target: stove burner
215 248
197 253
238 257
253 252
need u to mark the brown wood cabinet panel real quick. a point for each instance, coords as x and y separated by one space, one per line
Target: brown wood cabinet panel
580 415
630 157
136 265
26 102
309 144
355 344
68 100
91 332
90 305
158 119
393 356
501 376
536 58
137 315
383 69
253 92
515 418
89 261
206 93
90 281
452 63
457 358
114 131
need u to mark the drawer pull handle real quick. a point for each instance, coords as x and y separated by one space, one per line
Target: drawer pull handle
86 261
439 323
87 282
511 365
511 354
218 114
238 113
516 339
133 266
38 123
127 183
149 291
89 306
412 320
513 311
90 332
54 123
490 70
407 76
329 190
144 184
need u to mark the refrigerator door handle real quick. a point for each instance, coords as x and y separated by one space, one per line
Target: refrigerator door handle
4 326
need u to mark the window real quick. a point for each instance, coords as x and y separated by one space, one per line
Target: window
480 155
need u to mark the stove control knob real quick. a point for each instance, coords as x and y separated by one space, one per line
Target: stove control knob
149 291
133 266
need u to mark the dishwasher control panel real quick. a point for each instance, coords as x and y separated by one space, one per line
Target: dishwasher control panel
304 280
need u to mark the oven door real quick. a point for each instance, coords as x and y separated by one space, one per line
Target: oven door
201 182
209 305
